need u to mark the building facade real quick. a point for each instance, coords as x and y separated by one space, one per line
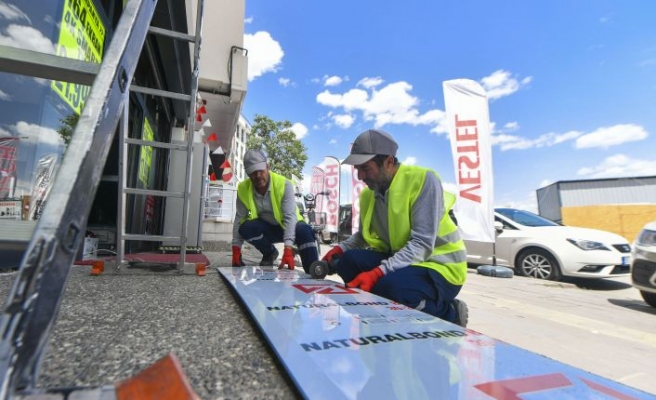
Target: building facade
221 194
39 115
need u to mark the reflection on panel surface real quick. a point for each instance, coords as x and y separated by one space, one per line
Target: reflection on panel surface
342 343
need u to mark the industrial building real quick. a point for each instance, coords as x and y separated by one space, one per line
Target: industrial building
619 205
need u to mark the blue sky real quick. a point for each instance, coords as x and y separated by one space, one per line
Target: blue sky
571 84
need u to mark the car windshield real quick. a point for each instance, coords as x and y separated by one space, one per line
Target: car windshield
524 217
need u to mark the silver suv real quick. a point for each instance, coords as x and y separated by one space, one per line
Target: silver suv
643 264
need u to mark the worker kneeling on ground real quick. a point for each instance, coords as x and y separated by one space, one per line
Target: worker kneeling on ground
267 214
407 248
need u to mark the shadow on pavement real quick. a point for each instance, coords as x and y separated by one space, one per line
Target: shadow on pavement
596 284
636 305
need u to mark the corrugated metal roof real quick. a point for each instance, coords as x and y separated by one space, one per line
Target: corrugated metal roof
628 190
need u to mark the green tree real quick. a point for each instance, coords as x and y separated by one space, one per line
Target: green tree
67 127
287 155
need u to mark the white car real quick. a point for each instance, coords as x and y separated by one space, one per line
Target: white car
540 248
643 266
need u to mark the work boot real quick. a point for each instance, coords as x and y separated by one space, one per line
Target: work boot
269 259
462 311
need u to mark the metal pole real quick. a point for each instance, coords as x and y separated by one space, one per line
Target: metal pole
122 179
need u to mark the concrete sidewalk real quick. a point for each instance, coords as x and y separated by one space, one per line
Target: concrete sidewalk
114 325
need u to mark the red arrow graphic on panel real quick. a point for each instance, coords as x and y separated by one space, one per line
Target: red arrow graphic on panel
511 388
324 289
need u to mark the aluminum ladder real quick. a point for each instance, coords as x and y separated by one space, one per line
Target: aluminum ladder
35 297
122 236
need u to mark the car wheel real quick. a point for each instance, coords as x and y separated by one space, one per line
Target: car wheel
539 264
650 298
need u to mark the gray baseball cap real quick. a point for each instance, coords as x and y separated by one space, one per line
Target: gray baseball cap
369 144
254 160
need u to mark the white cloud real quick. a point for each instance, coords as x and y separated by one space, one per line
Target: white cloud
4 96
510 142
351 100
28 38
369 83
333 141
264 54
611 136
11 12
343 120
551 139
299 130
284 81
604 137
395 104
410 160
37 133
501 84
391 104
514 142
438 119
511 126
619 165
248 20
333 81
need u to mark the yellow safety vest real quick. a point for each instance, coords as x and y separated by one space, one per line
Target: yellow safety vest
450 258
277 183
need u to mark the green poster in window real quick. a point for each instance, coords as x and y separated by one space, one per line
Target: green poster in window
81 37
146 155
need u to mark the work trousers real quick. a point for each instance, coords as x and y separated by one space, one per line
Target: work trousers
263 235
413 286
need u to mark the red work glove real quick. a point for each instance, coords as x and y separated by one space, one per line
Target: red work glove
287 258
366 280
236 257
335 251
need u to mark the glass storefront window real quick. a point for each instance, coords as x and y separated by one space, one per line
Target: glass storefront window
37 116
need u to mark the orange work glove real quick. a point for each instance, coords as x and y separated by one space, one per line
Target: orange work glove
236 257
366 280
287 258
335 251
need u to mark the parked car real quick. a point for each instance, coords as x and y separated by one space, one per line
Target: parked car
643 264
540 248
